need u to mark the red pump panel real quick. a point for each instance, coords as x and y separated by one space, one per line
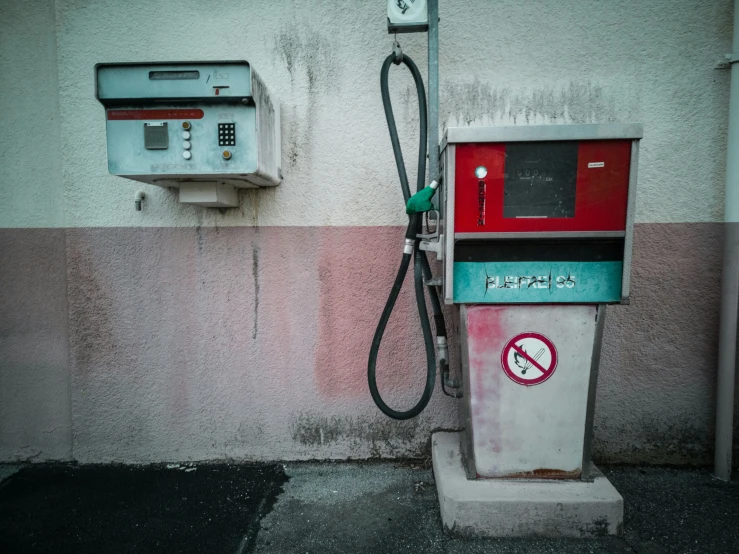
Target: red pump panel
542 186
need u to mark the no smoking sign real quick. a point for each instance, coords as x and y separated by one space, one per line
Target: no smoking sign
529 359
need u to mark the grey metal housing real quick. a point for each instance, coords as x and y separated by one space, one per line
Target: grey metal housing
226 92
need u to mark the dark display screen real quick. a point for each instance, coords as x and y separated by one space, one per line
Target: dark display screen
156 136
174 75
540 179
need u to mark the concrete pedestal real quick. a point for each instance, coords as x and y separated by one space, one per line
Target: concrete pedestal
521 507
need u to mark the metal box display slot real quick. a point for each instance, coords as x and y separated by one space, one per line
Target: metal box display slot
539 214
204 127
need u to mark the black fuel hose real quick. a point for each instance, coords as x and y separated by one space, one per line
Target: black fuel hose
421 268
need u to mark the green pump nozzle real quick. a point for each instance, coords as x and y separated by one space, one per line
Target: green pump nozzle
421 201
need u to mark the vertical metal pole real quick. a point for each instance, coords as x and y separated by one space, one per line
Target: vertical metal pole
433 104
730 280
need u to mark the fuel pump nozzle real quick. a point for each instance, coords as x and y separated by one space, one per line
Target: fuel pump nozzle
421 201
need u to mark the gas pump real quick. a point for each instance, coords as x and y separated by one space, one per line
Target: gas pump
534 228
537 235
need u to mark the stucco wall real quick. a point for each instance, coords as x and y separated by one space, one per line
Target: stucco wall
508 62
35 417
32 191
194 333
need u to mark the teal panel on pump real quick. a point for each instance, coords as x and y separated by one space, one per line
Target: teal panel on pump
522 282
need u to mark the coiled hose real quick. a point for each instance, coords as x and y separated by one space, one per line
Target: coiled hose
421 268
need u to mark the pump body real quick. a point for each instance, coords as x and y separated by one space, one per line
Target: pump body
535 235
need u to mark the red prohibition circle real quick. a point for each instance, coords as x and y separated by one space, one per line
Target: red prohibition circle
546 373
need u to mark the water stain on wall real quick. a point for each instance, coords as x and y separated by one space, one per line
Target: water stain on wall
249 202
292 152
384 435
255 271
309 58
576 102
305 51
91 305
199 238
678 442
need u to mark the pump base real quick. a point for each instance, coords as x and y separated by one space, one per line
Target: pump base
518 507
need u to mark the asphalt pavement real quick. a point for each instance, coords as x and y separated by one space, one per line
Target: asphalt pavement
323 508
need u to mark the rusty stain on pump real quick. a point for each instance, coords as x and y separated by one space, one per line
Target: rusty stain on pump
544 473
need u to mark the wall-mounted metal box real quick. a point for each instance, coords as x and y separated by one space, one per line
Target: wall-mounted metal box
204 127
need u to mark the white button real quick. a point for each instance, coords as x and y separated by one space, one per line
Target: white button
186 135
186 145
187 155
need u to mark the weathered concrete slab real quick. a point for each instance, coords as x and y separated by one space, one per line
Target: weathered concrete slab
521 507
